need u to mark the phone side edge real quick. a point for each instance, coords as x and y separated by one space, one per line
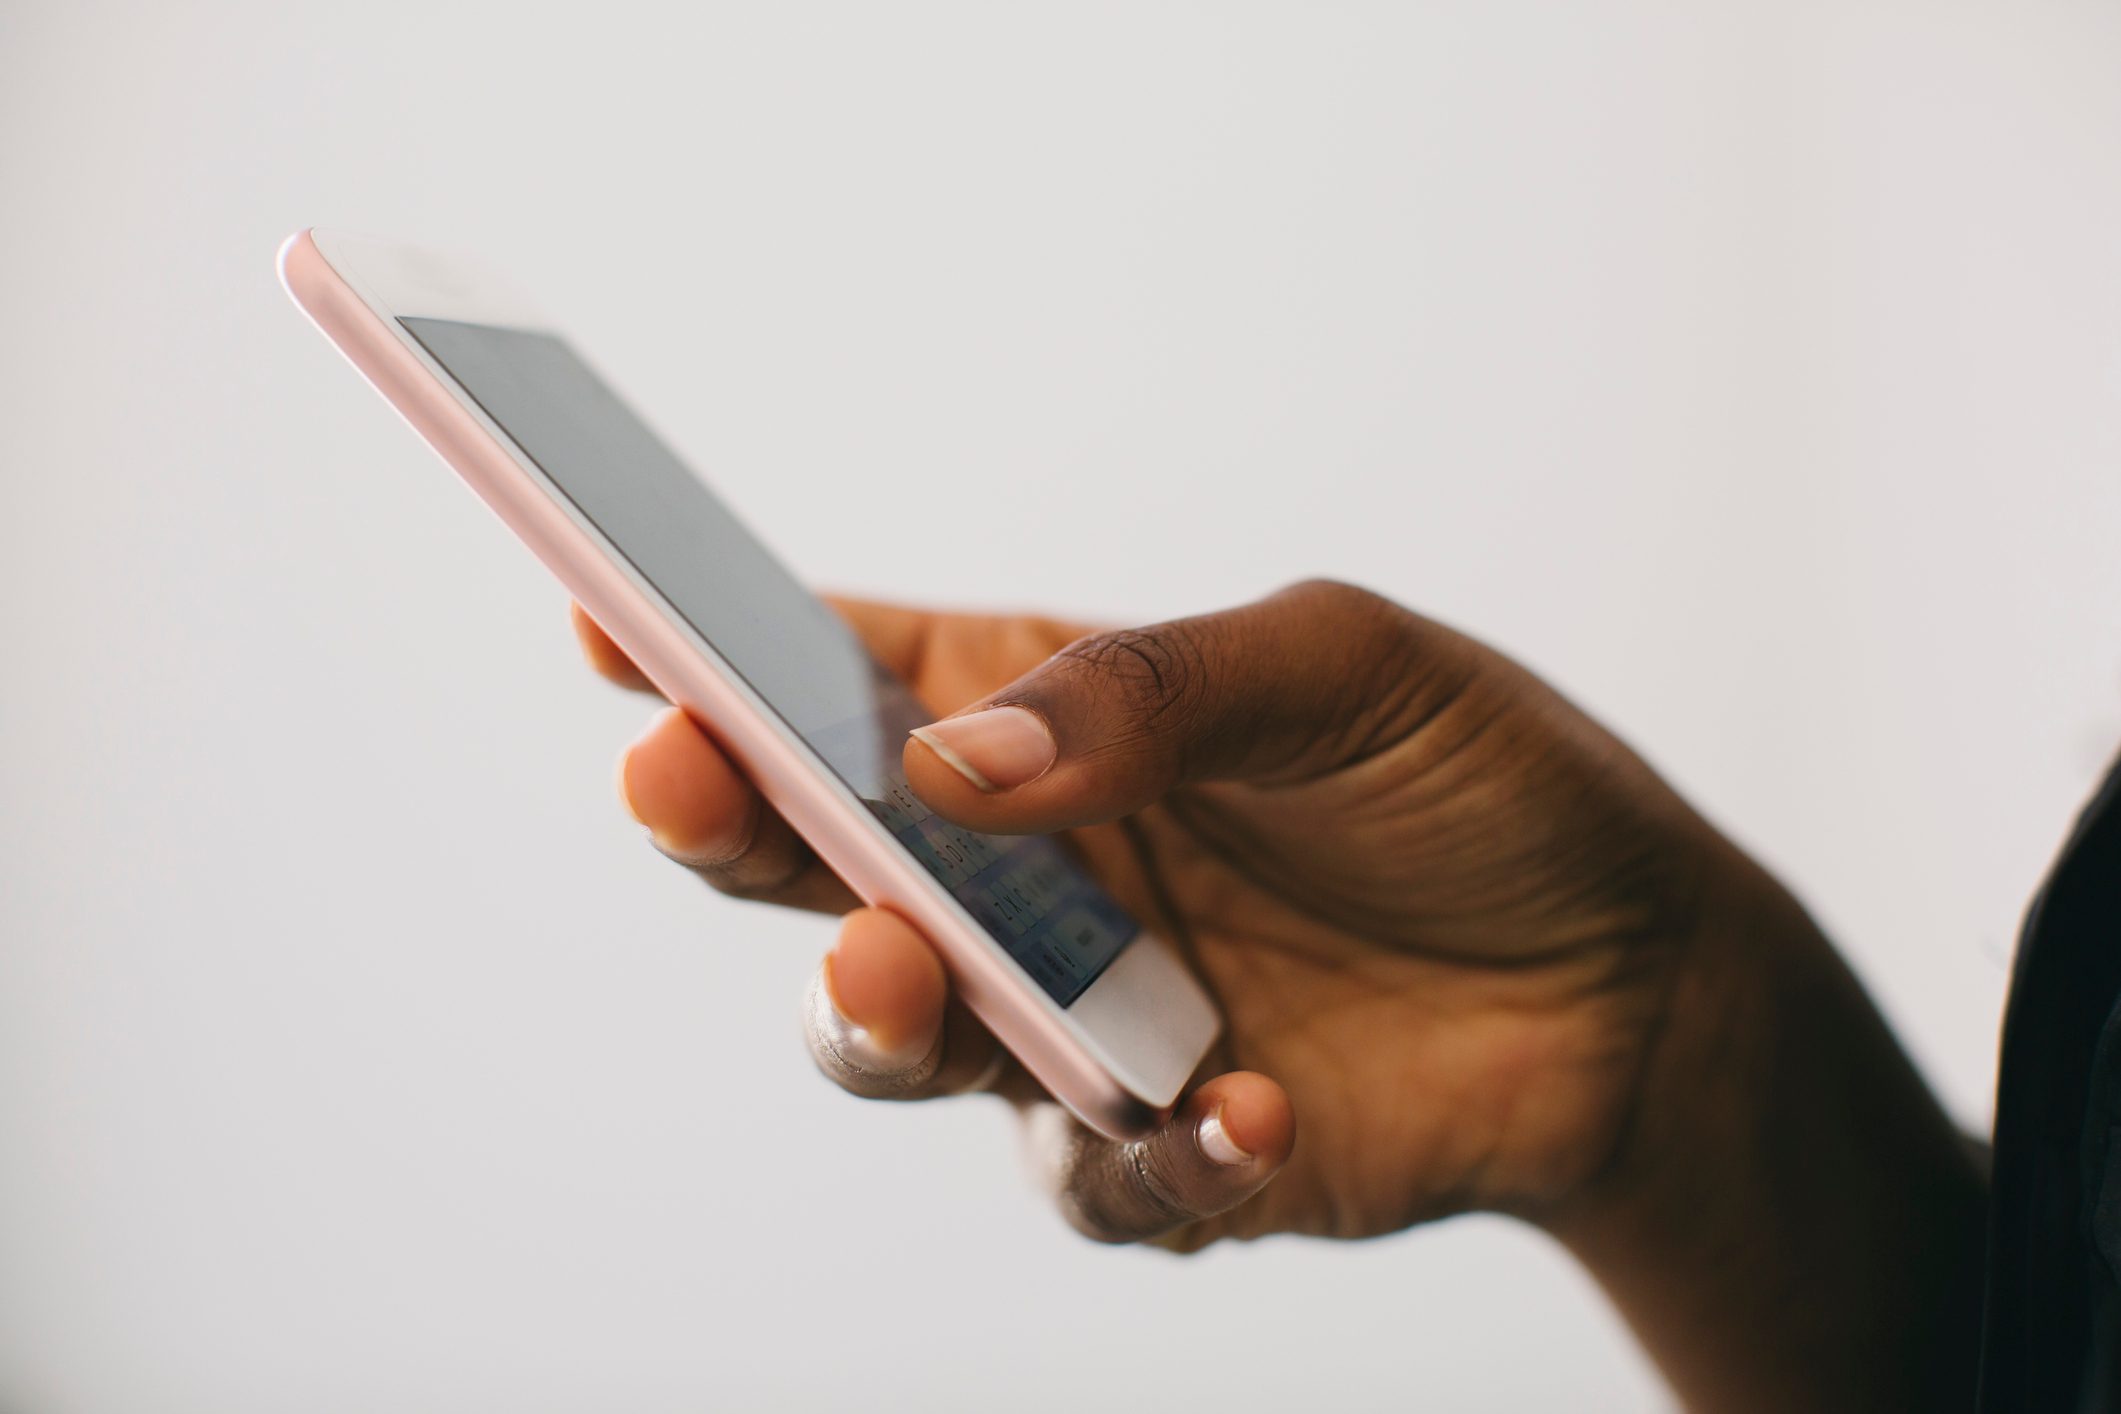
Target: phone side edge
877 871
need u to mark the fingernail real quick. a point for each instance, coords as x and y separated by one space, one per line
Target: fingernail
997 749
1216 1143
856 1045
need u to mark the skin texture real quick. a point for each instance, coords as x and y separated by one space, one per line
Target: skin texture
1471 943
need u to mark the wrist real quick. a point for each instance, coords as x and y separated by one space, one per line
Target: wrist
1789 1219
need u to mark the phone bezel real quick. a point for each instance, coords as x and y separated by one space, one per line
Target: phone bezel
1144 1023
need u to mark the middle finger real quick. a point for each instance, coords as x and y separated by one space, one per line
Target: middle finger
700 811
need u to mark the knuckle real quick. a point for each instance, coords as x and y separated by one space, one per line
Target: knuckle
729 862
1158 667
1118 1193
1335 596
1356 617
1158 676
840 1053
1392 670
745 878
763 868
1155 1187
873 1085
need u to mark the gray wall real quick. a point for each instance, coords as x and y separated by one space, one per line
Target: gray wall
1754 370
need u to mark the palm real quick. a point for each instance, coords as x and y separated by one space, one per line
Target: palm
1441 952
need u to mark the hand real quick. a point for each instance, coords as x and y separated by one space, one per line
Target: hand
1488 958
1440 907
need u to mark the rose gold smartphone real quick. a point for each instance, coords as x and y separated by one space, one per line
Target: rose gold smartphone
1100 1011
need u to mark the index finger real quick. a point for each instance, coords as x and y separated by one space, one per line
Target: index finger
896 635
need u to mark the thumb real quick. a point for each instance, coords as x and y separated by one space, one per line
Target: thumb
1295 685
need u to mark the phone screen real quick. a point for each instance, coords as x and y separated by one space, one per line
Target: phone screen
798 655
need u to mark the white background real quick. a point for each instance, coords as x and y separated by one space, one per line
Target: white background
1753 370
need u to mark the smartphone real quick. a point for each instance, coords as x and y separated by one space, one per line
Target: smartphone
1099 1010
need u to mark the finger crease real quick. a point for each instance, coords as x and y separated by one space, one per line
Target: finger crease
1165 1203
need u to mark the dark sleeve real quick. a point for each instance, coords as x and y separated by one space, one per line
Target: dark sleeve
2049 1323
